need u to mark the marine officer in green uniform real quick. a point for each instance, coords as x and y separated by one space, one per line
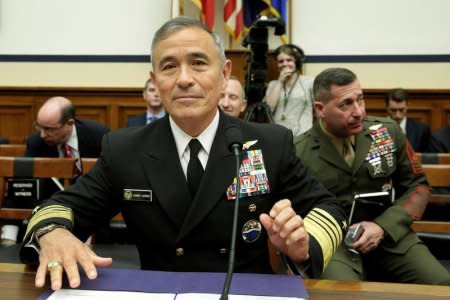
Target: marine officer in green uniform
351 154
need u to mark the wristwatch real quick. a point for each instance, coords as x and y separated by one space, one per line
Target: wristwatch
46 229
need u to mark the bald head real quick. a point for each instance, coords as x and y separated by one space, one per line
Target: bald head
232 99
57 110
55 120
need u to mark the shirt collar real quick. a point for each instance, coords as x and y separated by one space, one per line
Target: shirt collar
403 125
73 141
157 116
205 138
338 142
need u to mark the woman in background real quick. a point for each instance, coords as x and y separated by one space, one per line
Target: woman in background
290 96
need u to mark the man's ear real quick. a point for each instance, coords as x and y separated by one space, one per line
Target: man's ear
319 107
226 73
153 78
244 105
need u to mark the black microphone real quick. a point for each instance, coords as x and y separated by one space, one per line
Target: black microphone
234 137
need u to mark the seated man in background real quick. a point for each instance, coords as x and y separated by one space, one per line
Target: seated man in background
232 100
418 134
60 134
155 110
177 195
351 154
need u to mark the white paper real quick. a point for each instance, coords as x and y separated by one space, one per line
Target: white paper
69 294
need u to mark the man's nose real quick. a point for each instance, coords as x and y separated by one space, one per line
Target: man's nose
43 134
358 109
224 102
184 77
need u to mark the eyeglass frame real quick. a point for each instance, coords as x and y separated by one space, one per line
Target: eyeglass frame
48 130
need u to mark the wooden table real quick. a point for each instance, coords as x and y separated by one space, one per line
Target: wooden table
17 282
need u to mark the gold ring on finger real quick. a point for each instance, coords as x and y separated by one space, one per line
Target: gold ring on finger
53 264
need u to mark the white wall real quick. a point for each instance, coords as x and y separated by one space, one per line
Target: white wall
75 27
378 27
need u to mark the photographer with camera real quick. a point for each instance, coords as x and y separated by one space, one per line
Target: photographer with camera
290 96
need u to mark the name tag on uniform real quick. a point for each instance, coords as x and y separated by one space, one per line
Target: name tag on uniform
137 195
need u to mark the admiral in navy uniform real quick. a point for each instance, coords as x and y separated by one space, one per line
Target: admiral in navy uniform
143 171
351 154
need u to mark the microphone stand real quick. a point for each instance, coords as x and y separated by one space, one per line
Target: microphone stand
226 286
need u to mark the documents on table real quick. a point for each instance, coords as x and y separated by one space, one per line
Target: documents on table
70 294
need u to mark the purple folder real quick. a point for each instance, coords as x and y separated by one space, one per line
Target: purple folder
110 279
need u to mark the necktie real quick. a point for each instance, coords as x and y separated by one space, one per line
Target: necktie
67 150
194 169
348 152
150 119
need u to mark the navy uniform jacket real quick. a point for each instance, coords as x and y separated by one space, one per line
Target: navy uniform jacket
399 167
89 134
146 159
418 134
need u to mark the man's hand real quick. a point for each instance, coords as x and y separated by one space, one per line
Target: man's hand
62 251
370 239
286 231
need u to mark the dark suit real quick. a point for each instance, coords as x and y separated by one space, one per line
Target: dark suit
138 120
401 256
89 134
146 158
441 140
418 135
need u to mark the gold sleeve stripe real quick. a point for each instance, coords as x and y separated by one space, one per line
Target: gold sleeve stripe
326 230
50 212
332 238
319 233
325 221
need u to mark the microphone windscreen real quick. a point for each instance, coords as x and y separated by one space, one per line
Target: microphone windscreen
233 135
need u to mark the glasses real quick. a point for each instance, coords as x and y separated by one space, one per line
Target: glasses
48 130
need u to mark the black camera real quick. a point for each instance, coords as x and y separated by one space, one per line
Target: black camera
256 67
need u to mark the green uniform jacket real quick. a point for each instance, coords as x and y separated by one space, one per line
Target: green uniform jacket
399 168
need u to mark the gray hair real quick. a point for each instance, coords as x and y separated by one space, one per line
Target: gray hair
182 22
329 77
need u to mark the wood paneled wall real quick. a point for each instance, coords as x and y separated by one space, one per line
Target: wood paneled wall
19 107
113 106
